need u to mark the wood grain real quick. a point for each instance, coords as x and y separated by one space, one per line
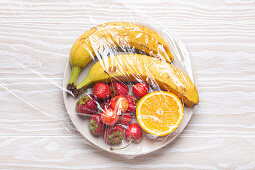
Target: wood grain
35 39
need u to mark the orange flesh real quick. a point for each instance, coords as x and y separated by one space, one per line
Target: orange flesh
160 113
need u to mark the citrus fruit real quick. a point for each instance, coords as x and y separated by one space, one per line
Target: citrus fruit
159 113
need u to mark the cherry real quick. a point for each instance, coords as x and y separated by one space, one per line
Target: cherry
140 89
125 119
133 132
132 102
105 104
119 104
109 117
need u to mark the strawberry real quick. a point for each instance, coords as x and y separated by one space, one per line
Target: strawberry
102 91
86 104
114 135
140 89
132 102
96 125
119 89
119 104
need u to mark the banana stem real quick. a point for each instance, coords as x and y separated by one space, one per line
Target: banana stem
77 90
86 82
74 75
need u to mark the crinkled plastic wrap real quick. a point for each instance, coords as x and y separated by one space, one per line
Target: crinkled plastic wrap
127 53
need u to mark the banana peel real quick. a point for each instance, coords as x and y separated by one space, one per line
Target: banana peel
137 67
111 35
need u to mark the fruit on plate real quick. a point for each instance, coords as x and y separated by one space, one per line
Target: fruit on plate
132 102
86 104
109 117
114 135
119 89
105 104
133 133
96 126
112 35
159 113
134 67
140 89
119 104
102 91
125 119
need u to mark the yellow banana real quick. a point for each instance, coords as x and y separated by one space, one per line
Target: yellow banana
137 67
111 35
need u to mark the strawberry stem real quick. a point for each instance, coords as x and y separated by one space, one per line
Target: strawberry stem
111 148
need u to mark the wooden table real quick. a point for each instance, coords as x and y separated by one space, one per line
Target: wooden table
35 39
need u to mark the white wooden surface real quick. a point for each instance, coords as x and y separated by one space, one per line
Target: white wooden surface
35 39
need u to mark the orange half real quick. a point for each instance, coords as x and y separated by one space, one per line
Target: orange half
159 113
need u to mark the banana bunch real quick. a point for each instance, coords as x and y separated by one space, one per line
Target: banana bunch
137 67
121 35
154 67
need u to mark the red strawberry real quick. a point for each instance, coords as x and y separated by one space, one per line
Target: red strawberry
114 135
102 91
119 104
140 89
125 119
96 125
119 89
86 104
132 102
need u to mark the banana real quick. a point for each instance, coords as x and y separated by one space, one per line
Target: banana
137 67
111 35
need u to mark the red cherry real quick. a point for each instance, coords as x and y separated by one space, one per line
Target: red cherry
109 117
105 104
133 132
125 119
102 91
140 89
119 104
96 125
132 102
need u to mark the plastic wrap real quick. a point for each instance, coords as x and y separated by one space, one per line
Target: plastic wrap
119 55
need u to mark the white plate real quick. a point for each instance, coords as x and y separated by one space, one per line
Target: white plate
147 144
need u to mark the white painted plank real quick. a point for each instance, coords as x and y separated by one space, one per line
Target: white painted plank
35 39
